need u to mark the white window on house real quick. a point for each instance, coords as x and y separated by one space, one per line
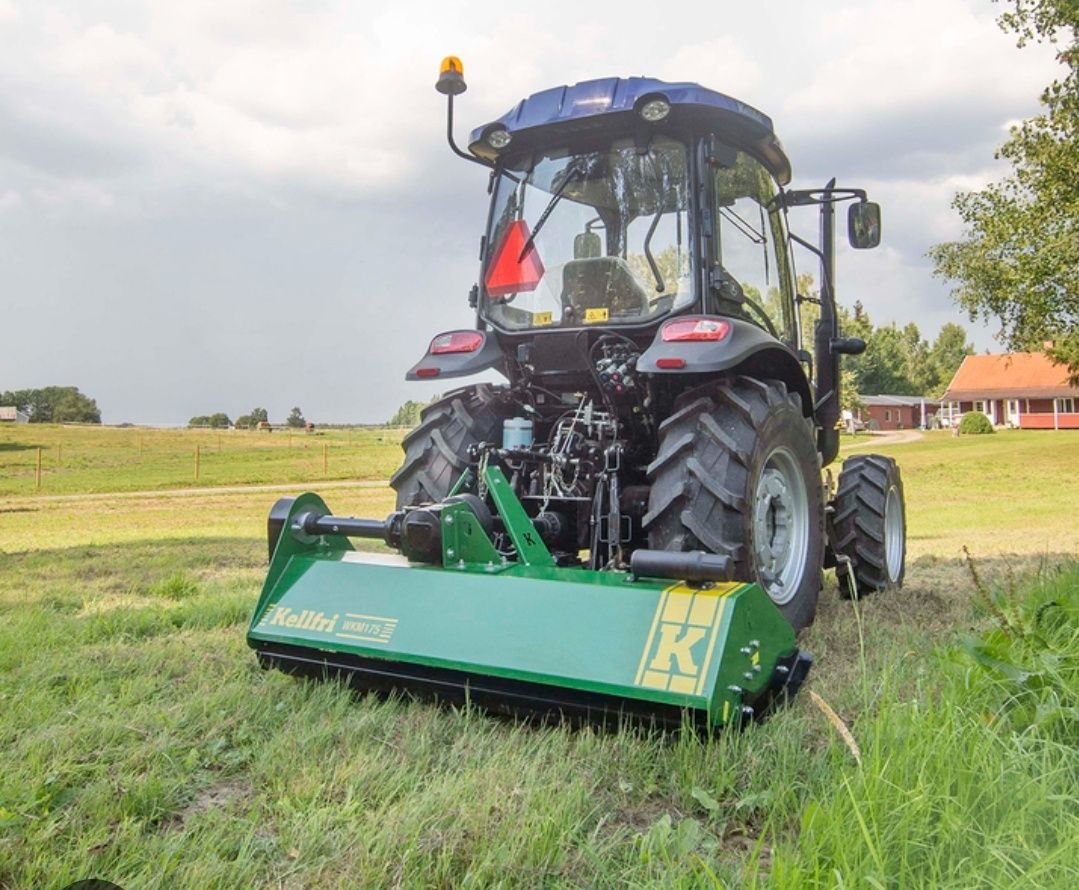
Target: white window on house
980 406
887 415
1066 405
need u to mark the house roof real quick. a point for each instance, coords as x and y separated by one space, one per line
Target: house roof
1030 375
901 401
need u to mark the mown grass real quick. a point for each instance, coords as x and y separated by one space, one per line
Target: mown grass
140 743
106 459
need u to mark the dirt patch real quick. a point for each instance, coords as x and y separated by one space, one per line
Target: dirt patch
218 796
638 816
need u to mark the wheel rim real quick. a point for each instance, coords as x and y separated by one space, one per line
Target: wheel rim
894 534
781 525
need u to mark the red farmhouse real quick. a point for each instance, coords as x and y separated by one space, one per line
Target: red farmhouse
1023 389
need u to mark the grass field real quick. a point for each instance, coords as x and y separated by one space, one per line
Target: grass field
140 743
103 459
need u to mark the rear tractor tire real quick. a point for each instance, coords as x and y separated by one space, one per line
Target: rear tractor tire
869 526
436 451
737 473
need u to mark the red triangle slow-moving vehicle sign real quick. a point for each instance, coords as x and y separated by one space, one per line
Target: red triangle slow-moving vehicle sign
509 272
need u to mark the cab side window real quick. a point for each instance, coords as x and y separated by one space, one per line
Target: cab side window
754 274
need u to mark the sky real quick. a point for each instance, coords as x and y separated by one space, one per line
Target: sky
213 205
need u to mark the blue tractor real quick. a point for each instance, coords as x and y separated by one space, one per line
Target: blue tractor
664 408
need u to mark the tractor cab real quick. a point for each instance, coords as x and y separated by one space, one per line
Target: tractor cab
596 220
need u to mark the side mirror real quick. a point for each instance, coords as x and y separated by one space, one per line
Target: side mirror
863 225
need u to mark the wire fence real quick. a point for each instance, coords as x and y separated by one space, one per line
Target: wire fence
72 459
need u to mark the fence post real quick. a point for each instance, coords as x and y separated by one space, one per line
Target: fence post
325 458
37 473
198 456
59 453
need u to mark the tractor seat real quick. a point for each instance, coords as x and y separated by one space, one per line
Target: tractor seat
597 282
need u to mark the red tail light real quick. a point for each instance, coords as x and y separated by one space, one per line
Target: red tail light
509 272
456 341
670 364
695 327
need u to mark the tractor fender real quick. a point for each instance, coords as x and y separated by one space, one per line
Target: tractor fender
437 365
746 349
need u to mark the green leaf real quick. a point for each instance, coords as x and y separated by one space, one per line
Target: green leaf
706 800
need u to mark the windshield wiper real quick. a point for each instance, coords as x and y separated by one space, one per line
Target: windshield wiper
660 286
574 174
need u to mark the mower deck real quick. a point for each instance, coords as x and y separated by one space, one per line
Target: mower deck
523 638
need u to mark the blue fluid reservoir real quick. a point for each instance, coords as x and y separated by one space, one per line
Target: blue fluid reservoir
516 432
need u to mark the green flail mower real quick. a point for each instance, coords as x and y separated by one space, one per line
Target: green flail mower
634 526
454 616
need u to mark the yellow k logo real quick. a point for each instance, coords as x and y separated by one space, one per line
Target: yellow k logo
677 647
685 617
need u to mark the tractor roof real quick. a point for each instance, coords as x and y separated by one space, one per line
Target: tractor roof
596 105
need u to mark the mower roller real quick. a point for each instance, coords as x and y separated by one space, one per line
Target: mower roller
634 526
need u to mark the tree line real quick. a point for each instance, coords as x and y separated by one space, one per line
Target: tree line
249 421
898 361
53 404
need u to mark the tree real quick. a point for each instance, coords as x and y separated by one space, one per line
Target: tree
54 404
252 419
1018 262
946 355
898 361
296 418
218 421
918 372
885 365
849 398
407 415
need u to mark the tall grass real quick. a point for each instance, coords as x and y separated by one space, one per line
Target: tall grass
970 777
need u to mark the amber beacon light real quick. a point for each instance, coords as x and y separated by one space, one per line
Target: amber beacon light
451 77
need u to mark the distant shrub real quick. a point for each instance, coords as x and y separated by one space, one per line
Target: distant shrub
974 423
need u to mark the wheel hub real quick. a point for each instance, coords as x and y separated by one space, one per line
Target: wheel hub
780 525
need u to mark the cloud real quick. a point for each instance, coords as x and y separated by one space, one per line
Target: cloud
216 201
722 61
